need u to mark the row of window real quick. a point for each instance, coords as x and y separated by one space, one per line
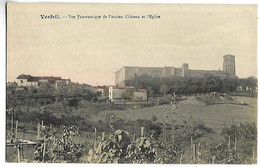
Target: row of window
229 58
229 64
229 70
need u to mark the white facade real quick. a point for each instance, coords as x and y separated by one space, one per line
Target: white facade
115 94
140 96
61 83
23 82
28 80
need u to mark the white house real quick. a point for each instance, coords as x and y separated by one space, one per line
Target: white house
140 95
28 80
116 94
126 93
62 83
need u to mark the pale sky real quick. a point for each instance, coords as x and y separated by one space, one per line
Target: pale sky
91 50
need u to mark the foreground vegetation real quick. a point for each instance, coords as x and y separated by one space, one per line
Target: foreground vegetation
191 143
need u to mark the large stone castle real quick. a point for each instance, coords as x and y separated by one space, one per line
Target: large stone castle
127 72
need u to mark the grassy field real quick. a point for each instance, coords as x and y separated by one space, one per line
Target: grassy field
214 116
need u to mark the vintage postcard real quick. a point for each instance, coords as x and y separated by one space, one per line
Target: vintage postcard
131 83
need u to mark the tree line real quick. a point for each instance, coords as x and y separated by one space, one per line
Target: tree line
46 93
50 104
182 85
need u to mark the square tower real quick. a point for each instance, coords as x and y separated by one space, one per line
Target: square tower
229 64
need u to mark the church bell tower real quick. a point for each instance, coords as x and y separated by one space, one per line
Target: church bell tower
229 64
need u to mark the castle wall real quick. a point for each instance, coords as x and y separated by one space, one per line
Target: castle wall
131 72
120 77
185 70
152 71
168 71
127 73
178 72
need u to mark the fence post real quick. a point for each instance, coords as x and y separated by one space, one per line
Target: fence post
235 147
18 154
38 131
213 159
134 137
194 153
16 129
191 142
142 131
103 136
44 150
95 135
22 150
198 152
181 159
253 154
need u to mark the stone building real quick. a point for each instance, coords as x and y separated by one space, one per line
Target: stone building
126 93
129 72
28 80
229 64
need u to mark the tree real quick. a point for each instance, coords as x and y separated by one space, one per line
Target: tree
250 82
164 89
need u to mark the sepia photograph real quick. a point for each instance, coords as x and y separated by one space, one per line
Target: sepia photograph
131 83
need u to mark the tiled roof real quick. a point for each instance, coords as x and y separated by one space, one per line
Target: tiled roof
33 79
23 76
141 90
48 77
99 87
126 87
51 79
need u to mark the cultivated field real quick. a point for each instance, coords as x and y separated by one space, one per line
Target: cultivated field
214 116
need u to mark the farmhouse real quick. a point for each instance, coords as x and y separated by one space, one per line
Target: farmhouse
102 89
126 93
28 80
140 95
